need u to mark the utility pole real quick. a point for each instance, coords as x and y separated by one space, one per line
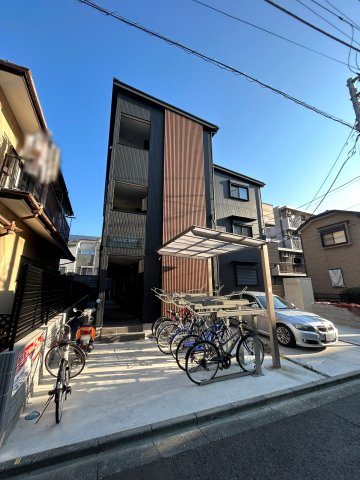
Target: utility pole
354 95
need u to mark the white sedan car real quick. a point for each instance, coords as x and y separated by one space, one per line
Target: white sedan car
293 326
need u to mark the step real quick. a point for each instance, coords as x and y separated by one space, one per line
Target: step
121 337
124 329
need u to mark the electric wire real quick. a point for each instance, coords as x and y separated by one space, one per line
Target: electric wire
222 12
336 190
213 61
336 15
341 13
348 60
325 20
331 169
351 153
311 25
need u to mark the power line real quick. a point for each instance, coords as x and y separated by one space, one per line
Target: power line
334 190
325 20
353 24
331 169
268 31
213 61
343 14
351 153
314 27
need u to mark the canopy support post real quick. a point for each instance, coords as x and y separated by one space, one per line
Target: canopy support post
275 353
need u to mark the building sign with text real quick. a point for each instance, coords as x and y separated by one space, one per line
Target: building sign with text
117 241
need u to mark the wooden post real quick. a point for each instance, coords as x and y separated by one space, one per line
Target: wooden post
270 307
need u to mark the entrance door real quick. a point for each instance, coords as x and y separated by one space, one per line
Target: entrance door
125 292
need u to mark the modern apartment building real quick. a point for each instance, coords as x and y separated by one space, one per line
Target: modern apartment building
291 257
331 243
33 225
160 180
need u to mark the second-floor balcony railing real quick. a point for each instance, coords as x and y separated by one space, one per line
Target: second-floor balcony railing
293 243
291 268
13 177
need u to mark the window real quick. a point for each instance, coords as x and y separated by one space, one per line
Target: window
62 270
246 274
134 132
238 191
241 229
336 277
335 236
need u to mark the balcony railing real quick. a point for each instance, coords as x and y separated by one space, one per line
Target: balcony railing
291 223
292 243
291 268
13 177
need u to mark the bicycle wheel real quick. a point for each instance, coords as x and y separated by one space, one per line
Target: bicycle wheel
76 360
60 392
165 336
202 362
176 339
184 345
245 352
156 324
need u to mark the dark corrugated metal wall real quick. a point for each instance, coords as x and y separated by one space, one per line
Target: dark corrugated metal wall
225 207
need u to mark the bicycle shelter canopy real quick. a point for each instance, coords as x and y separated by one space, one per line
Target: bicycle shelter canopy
205 243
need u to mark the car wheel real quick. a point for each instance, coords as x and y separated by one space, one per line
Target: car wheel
285 336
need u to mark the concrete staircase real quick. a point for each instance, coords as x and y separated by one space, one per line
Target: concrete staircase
121 334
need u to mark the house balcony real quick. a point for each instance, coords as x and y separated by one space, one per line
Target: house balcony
13 180
291 223
284 269
291 244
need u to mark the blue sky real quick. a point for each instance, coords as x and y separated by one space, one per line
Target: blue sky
74 52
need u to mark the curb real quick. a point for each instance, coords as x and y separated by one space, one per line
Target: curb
148 433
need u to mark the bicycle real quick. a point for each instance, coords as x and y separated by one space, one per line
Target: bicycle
205 357
64 360
188 340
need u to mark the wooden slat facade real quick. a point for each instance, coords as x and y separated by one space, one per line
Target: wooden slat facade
184 202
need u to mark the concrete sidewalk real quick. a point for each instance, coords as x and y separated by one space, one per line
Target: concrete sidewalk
132 384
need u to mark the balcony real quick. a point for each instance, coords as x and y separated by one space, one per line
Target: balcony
289 269
291 243
13 177
291 223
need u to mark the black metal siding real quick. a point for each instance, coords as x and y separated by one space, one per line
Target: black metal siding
140 167
225 207
152 273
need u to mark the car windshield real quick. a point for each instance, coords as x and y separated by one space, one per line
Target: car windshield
279 303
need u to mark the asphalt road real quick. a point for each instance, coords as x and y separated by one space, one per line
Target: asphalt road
313 436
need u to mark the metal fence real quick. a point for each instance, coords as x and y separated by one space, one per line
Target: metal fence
39 297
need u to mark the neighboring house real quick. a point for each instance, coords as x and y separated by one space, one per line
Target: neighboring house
238 210
331 243
86 251
290 262
33 225
159 182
